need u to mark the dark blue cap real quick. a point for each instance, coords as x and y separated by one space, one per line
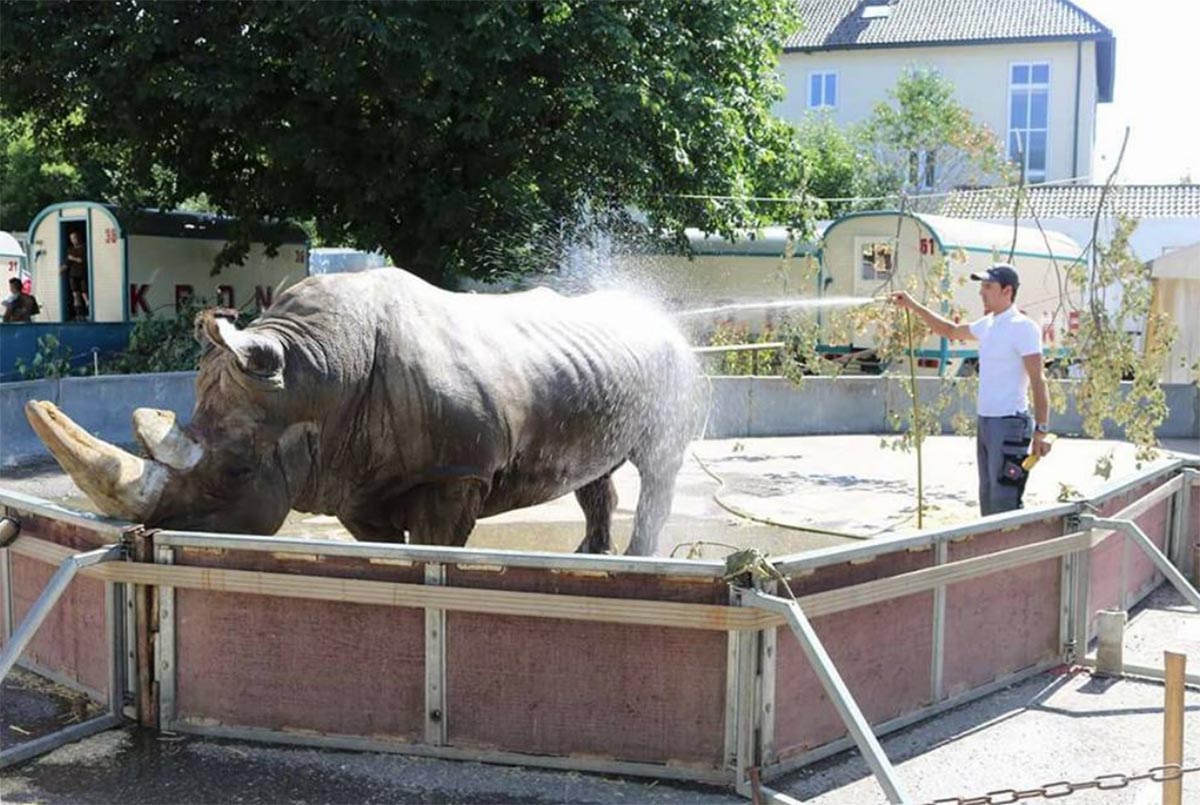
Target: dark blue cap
1001 273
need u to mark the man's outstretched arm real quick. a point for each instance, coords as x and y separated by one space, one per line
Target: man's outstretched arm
940 325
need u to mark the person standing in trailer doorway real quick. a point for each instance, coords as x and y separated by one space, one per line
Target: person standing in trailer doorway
1010 365
76 269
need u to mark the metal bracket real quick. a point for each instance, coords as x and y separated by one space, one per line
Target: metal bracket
24 634
839 695
1139 538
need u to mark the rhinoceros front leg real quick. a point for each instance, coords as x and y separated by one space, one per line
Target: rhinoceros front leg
432 514
443 513
598 501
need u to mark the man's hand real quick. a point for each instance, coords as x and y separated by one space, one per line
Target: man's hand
1041 446
902 299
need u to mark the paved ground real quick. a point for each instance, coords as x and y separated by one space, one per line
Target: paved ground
1055 726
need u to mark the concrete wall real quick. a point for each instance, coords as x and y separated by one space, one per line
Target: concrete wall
741 407
102 405
773 406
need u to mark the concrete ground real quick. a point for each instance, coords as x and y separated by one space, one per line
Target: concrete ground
782 495
1060 725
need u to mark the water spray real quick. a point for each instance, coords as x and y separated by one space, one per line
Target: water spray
834 301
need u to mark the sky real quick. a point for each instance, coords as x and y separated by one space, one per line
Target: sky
1157 92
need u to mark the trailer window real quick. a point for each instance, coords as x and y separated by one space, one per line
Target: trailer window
876 262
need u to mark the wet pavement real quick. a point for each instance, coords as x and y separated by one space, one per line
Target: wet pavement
781 495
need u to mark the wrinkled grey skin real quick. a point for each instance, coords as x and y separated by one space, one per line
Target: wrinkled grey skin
405 409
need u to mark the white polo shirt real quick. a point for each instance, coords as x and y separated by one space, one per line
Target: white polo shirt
1004 340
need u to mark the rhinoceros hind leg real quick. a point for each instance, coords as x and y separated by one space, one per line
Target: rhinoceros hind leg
653 505
598 500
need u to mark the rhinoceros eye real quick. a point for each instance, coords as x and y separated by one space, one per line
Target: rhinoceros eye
238 472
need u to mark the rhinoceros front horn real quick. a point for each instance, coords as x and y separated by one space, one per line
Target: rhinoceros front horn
119 483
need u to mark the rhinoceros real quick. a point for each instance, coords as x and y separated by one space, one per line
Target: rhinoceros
407 411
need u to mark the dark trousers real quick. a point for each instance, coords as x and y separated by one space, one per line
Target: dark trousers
1001 444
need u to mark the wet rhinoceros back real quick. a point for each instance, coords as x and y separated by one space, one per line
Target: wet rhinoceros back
535 392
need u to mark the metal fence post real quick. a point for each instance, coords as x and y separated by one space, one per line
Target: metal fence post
937 660
435 663
1067 641
767 656
6 580
164 644
1183 523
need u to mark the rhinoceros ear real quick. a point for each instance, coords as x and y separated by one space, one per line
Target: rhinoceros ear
257 354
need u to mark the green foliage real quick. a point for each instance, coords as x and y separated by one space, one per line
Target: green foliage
744 362
924 124
1118 290
474 137
31 176
162 343
52 359
835 165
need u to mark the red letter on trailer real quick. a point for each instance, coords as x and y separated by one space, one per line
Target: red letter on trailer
262 297
225 295
137 299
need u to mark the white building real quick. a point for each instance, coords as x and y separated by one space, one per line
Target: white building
1032 71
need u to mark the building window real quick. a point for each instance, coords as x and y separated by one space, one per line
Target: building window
1029 117
822 90
922 169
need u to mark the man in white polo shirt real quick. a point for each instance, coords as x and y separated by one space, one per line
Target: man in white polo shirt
1010 364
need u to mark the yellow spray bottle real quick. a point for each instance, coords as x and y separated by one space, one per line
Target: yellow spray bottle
1031 459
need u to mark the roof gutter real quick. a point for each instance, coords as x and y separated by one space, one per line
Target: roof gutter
1013 40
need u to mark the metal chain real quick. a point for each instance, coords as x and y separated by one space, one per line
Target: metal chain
1062 788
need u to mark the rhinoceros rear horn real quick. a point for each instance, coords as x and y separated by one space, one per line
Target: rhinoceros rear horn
257 354
164 440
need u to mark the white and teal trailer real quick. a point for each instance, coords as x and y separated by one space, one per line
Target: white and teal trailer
13 257
725 279
867 254
148 263
139 264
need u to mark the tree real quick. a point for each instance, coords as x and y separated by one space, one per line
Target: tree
925 142
30 176
460 137
837 169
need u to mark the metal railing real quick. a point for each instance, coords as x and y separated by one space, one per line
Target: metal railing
751 647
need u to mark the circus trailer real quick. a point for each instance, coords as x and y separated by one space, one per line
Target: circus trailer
12 255
721 281
870 254
142 263
1175 292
